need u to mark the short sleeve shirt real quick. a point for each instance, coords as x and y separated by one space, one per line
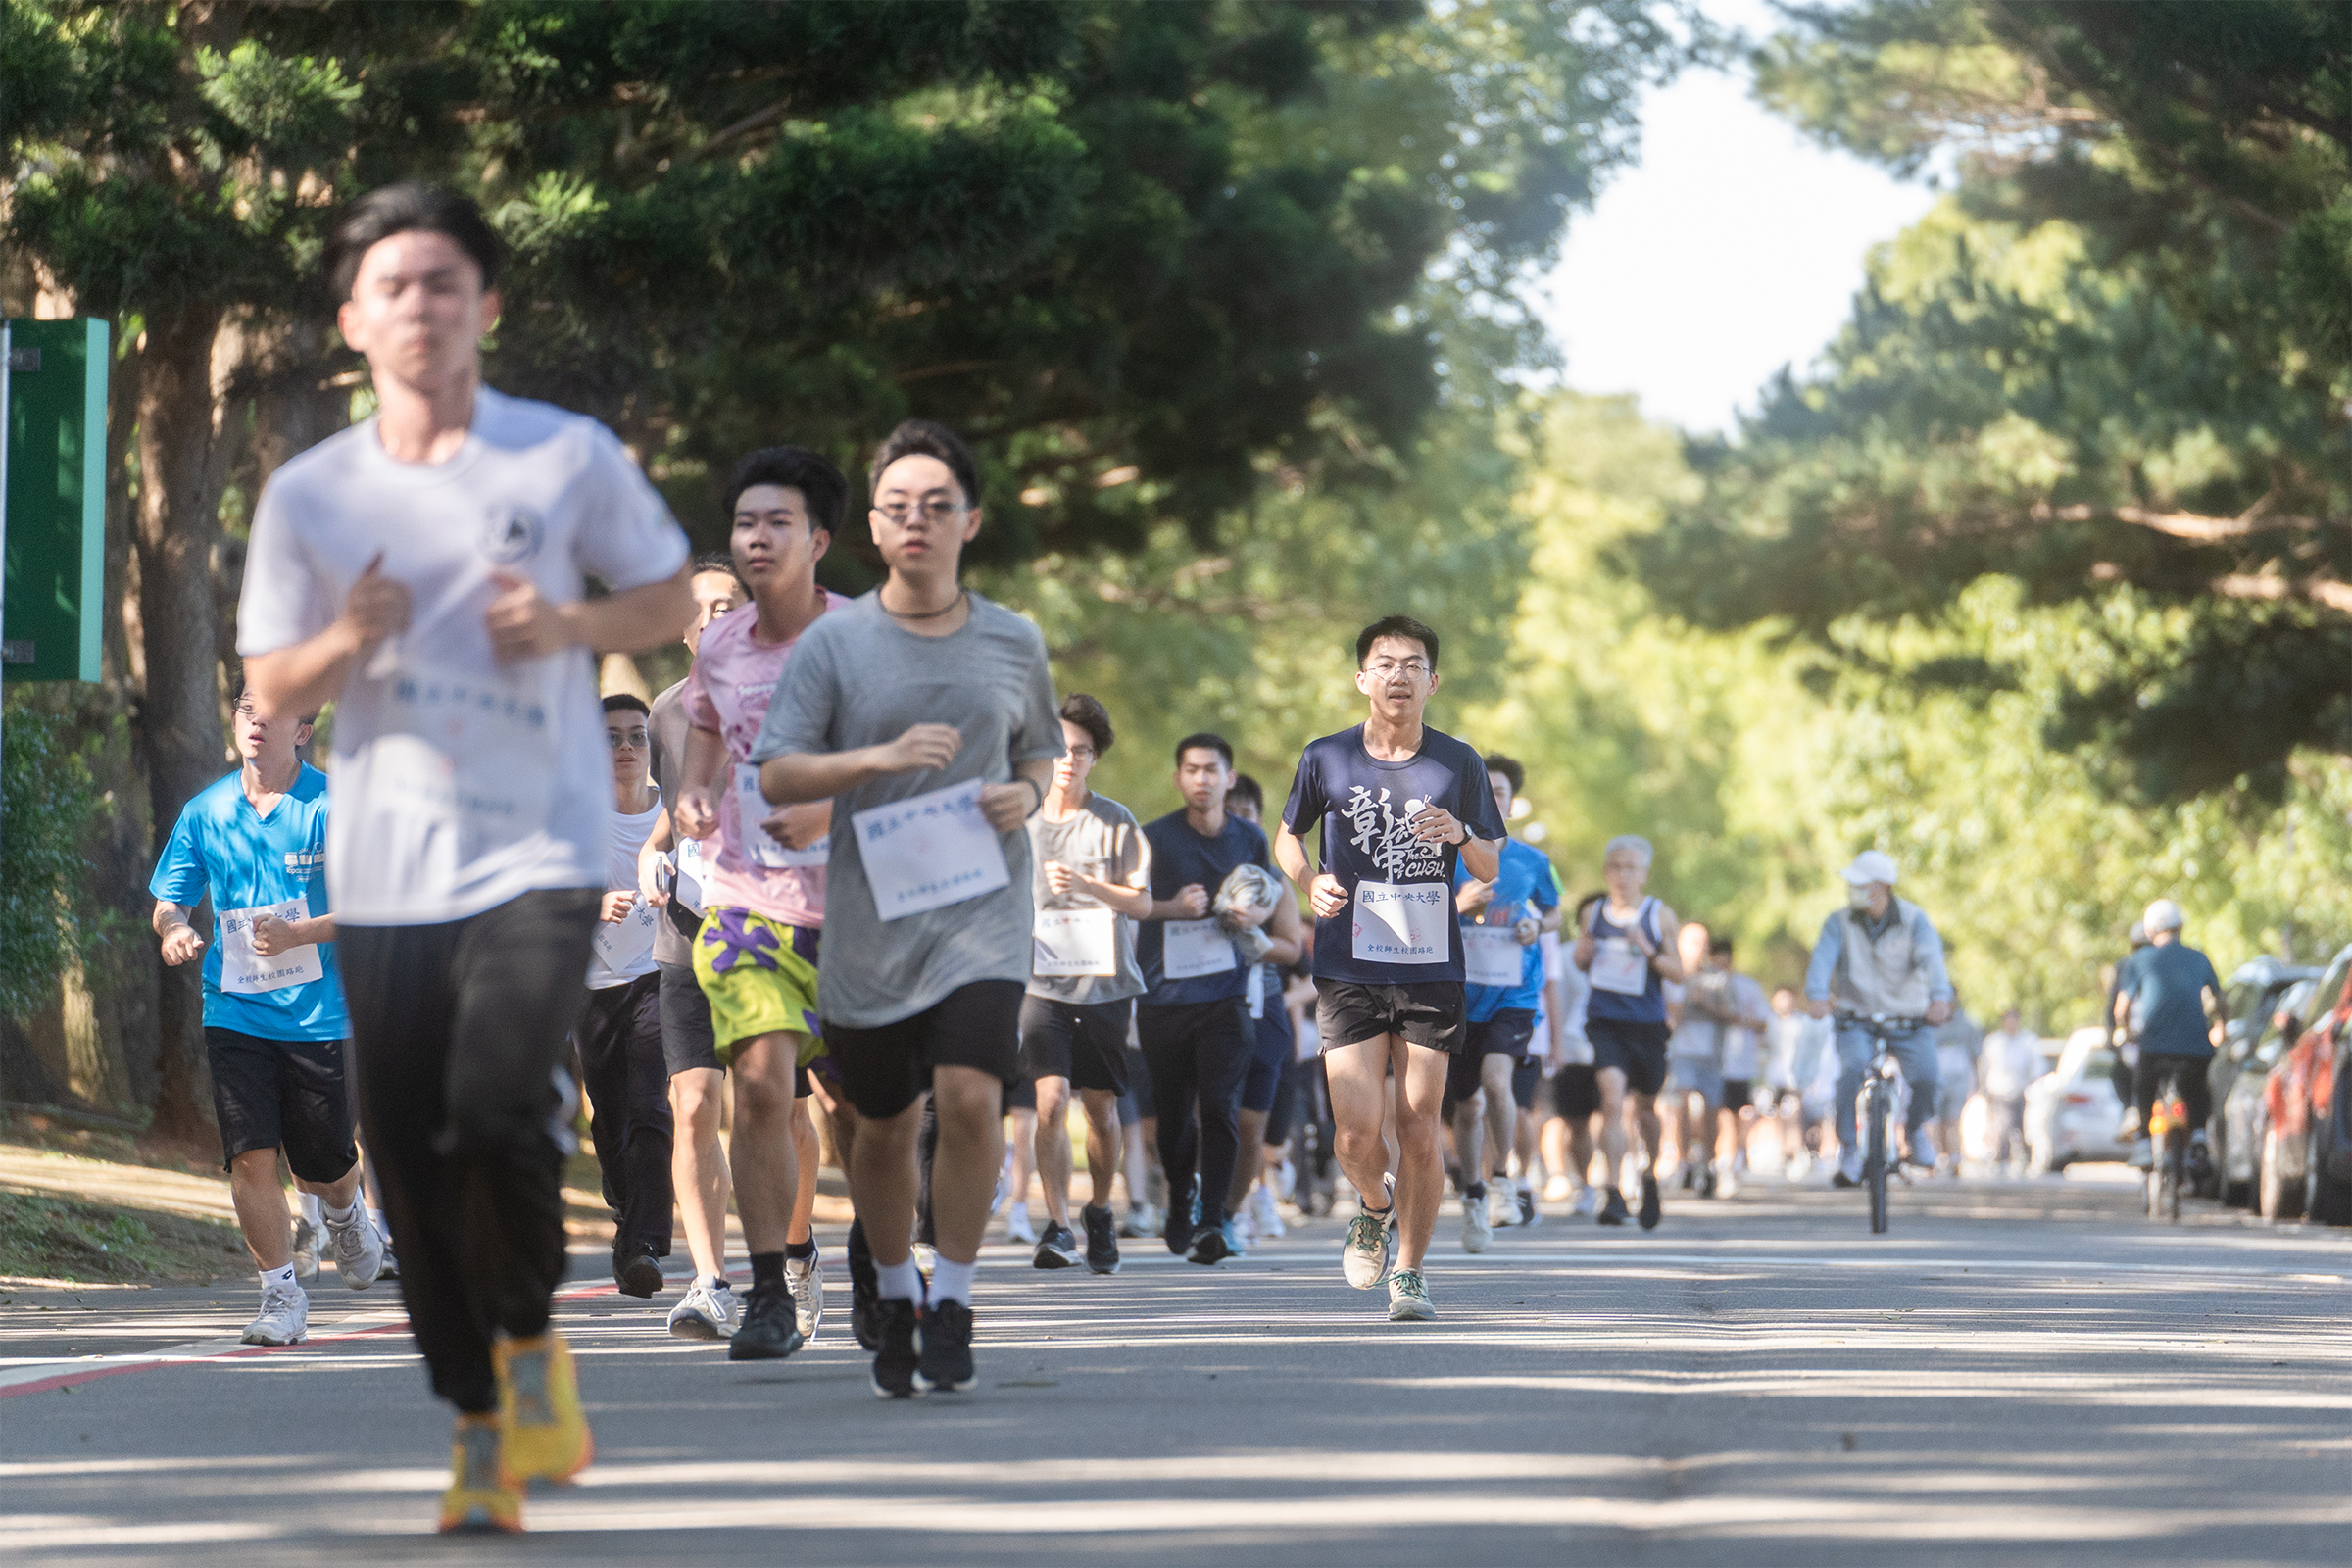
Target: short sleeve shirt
2166 982
461 780
668 727
1524 884
856 679
1104 841
1363 806
1182 856
622 950
220 848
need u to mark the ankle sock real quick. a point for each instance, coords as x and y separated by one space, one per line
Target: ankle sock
339 1218
767 1269
310 1205
952 1281
899 1282
278 1276
800 1250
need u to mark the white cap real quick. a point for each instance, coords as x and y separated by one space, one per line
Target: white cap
2163 916
1871 865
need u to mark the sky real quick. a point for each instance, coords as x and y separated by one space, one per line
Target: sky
1732 249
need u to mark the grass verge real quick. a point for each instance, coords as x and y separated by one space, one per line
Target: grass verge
43 1237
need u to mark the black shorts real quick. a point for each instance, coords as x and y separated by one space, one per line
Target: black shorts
1086 1043
1506 1034
1637 1050
1426 1015
885 1068
293 1095
1739 1094
688 1039
1576 1091
1525 1079
1022 1095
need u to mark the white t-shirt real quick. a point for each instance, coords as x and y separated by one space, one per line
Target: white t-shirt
623 948
2009 1062
460 782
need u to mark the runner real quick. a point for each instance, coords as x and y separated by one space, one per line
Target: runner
275 1024
1399 804
1501 921
1201 949
425 570
1742 1050
1575 1088
927 714
1628 950
619 1033
1264 1123
1092 884
763 894
1695 1009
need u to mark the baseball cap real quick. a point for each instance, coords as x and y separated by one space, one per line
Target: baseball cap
2163 916
1871 865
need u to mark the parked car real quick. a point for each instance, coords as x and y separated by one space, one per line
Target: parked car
2073 1110
2253 998
2240 1115
2306 1161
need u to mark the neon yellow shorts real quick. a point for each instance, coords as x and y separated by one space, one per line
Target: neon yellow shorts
760 978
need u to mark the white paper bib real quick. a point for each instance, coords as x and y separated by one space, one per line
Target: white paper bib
1403 923
245 972
692 875
1070 943
622 944
1619 966
1191 949
929 851
760 847
1492 956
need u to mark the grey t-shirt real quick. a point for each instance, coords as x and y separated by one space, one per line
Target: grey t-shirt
668 727
1107 843
858 679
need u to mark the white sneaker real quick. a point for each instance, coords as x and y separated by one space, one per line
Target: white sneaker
1587 1199
1730 1186
1017 1227
1560 1188
1263 1213
1141 1220
359 1250
1286 1182
1502 1206
711 1311
285 1317
806 1278
1850 1164
1478 1228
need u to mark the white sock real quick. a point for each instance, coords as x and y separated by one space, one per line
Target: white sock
278 1276
310 1206
899 1282
340 1218
952 1281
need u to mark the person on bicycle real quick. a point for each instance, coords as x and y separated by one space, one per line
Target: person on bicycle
1879 954
2170 990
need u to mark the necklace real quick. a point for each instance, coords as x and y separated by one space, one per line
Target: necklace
946 609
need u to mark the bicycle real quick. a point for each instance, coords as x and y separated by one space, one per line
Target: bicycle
1874 1107
2167 1134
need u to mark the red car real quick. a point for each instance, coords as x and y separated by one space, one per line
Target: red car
2305 1153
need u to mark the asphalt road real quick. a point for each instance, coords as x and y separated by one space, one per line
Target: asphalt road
2019 1373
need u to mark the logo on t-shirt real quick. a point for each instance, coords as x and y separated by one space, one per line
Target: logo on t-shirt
1386 836
511 534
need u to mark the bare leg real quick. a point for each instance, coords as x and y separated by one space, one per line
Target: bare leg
963 1174
1643 1112
698 1168
261 1207
1246 1162
1021 1142
1361 1102
766 1163
1101 1143
804 1166
1501 1112
1054 1148
1615 1131
1470 1138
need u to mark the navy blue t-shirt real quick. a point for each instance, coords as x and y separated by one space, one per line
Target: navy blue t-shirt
1363 806
2167 982
1181 856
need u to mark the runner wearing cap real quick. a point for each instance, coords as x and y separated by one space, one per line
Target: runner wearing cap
1879 954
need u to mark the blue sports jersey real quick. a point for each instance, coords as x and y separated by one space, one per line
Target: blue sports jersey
220 848
1524 884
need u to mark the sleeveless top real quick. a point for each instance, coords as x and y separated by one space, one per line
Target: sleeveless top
1650 1006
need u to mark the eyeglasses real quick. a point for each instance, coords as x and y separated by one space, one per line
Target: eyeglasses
618 738
1384 667
1087 753
935 508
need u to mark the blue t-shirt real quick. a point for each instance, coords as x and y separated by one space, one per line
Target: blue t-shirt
1363 806
1181 856
220 848
1524 879
2165 981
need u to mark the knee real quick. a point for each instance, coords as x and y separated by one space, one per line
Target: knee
1053 1103
695 1106
255 1164
966 1107
765 1098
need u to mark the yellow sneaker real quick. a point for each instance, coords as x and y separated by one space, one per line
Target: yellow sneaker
547 1436
481 1499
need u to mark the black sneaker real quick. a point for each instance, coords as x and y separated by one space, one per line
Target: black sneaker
947 1361
1841 1179
895 1356
1183 1215
1706 1180
1612 1212
865 1291
635 1269
1101 1239
1210 1248
1056 1249
1649 1203
771 1325
1529 1213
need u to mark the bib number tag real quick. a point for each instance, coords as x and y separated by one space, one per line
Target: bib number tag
1492 956
245 972
693 874
1619 966
623 944
466 752
760 847
1071 943
1403 923
929 851
1191 949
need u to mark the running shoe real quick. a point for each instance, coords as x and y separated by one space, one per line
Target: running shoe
1408 1297
1707 1183
1649 1203
1141 1221
711 1310
481 1499
1101 1239
1184 1212
544 1430
770 1329
1529 1213
1613 1213
865 1291
1587 1199
1478 1225
359 1250
1016 1224
1560 1188
1265 1214
284 1319
636 1270
1212 1245
1056 1249
945 1363
805 1277
895 1356
1370 1250
1689 1176
1502 1206
1731 1183
307 1239
391 1269
1286 1181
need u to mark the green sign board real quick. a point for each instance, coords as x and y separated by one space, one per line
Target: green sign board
54 603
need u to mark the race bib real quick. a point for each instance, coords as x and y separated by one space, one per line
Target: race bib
693 874
467 763
245 972
1619 967
1191 949
1403 923
929 851
1492 956
1075 941
623 944
760 847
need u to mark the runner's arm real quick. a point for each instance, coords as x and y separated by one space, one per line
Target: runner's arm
1283 928
1324 895
180 939
797 776
649 856
699 769
1007 806
525 626
1135 902
1667 958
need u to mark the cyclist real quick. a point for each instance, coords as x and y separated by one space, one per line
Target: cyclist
2170 989
1879 954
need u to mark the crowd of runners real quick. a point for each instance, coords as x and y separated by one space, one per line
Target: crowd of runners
851 868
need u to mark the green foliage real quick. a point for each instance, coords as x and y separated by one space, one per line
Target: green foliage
49 805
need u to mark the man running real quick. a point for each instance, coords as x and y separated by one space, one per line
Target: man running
1264 1120
927 715
425 570
1092 885
1697 1009
1575 1090
1399 804
619 1033
275 1024
1742 1055
1193 1019
1629 949
1503 922
1879 954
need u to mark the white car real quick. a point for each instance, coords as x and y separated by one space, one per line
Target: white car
2072 1112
